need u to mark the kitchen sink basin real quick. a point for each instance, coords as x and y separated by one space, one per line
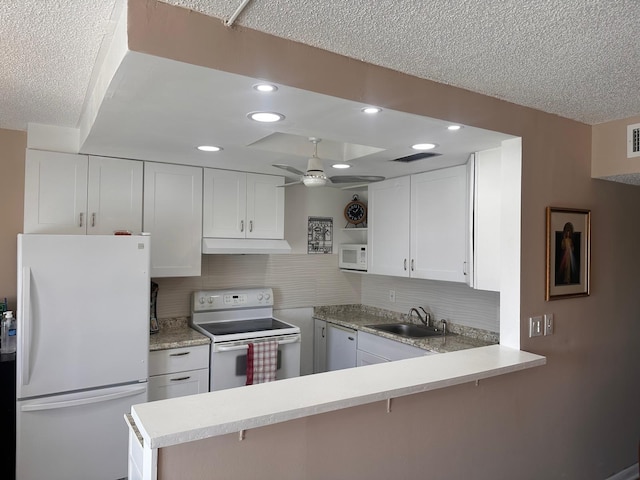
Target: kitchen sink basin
407 330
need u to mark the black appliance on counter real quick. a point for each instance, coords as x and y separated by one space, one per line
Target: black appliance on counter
153 310
8 412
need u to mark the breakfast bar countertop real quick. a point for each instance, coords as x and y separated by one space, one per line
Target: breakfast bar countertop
358 317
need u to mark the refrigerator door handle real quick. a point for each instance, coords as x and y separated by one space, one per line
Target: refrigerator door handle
35 407
25 335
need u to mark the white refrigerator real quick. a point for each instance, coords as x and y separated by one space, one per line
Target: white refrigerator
83 344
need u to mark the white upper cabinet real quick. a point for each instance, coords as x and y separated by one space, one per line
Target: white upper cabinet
439 206
75 194
114 196
265 206
242 205
487 207
418 225
388 220
173 217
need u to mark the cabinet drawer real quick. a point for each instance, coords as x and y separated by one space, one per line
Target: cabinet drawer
178 384
178 360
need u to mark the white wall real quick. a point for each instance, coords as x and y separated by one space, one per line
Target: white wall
304 202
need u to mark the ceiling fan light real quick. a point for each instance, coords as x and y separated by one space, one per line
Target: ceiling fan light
314 180
341 165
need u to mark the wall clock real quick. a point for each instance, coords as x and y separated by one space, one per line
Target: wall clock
355 212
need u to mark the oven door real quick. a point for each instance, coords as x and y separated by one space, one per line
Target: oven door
229 361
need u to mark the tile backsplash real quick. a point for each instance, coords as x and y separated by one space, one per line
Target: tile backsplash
301 280
298 280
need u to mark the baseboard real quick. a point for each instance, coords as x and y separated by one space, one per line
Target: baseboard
630 473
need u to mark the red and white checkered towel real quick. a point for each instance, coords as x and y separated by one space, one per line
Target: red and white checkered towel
262 362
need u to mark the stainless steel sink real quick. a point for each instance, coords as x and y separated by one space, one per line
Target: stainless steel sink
407 330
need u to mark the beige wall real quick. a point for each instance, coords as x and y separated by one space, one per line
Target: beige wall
12 148
610 149
577 417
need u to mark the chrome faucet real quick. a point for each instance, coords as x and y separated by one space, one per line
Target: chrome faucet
427 316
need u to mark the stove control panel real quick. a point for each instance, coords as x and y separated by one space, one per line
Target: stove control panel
206 300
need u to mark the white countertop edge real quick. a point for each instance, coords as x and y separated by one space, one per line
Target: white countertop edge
185 419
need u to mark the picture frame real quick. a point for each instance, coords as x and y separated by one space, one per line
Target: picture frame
568 253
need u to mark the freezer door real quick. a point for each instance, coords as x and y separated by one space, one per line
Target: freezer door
83 312
77 436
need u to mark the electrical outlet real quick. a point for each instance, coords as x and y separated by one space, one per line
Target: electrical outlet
548 323
392 295
535 326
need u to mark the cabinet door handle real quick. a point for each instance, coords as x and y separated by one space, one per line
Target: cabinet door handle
179 379
242 225
464 268
251 225
93 219
322 332
405 264
180 354
351 338
412 264
81 218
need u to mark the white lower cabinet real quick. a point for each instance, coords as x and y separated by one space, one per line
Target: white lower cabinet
375 349
341 347
337 347
319 345
178 372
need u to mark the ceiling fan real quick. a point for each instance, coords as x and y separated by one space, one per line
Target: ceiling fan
315 176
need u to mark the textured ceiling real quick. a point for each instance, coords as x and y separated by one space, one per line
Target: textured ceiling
577 58
47 53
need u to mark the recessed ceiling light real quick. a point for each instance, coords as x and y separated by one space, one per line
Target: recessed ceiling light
265 87
371 110
454 127
423 146
266 117
341 165
209 148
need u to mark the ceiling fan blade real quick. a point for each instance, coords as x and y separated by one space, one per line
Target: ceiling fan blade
288 168
290 184
356 178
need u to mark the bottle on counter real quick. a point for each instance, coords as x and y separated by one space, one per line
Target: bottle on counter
8 333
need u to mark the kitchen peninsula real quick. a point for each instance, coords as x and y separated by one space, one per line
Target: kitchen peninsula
163 424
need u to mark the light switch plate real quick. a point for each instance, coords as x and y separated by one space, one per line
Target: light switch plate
392 295
548 323
535 326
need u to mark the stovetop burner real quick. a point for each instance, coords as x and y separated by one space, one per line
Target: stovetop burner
244 326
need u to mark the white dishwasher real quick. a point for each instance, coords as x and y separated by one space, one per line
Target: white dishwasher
341 347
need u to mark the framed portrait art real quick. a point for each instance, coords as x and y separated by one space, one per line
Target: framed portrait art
568 253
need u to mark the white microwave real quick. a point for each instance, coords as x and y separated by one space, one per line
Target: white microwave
353 256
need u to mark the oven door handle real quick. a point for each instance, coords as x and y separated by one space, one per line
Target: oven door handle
230 348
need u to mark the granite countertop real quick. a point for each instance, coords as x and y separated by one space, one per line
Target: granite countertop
176 333
358 316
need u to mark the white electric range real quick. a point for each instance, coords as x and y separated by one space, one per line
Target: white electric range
235 318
